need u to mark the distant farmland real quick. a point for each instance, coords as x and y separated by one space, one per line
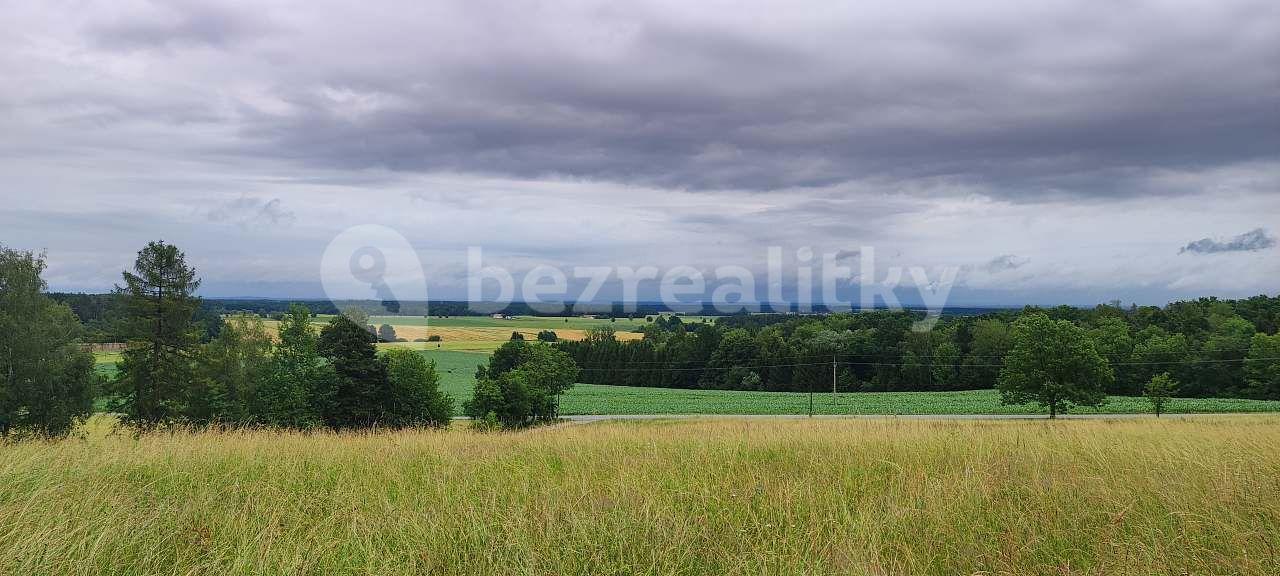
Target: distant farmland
484 334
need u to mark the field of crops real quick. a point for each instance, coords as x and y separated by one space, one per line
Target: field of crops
1178 496
533 323
457 370
484 334
105 363
596 399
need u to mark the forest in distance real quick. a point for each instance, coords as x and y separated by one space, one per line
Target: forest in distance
1205 345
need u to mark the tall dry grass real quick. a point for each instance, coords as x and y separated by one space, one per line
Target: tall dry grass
1199 496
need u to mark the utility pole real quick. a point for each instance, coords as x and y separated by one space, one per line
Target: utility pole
833 375
811 399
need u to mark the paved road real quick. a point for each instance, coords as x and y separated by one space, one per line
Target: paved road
603 417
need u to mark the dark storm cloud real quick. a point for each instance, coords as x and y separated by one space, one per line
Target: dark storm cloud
1251 241
1017 100
937 132
1049 103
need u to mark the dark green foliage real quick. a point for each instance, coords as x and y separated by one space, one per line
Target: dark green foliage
1201 344
1110 336
728 363
1054 364
47 381
1262 367
1156 351
547 336
228 369
156 371
1226 342
397 390
300 386
989 340
517 336
362 376
522 384
414 394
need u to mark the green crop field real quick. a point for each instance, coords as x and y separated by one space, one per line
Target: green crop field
105 363
597 399
457 371
457 378
1179 496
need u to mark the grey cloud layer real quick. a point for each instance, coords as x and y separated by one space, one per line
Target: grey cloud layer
1091 140
1024 101
1250 241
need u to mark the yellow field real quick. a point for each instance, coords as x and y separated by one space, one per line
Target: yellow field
472 338
479 334
1194 496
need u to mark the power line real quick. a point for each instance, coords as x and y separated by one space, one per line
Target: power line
880 355
910 364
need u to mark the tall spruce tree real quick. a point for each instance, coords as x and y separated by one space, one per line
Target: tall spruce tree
156 368
362 377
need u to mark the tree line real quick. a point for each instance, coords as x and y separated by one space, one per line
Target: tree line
175 370
1206 347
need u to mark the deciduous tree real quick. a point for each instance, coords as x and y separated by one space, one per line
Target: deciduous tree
415 398
1158 391
300 386
1054 364
1262 367
47 380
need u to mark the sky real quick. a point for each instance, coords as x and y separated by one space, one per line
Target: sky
1049 152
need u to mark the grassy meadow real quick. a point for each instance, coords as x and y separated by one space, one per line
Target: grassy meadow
1193 496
